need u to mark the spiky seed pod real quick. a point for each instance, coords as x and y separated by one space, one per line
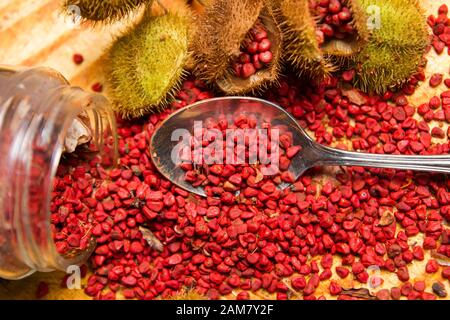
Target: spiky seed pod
396 46
105 10
348 47
301 47
146 65
221 30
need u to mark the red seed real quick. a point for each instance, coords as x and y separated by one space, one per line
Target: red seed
265 57
97 87
436 79
259 34
253 258
334 6
395 293
264 46
174 259
247 70
298 283
42 290
443 9
348 75
244 58
136 247
292 151
78 58
335 288
383 294
446 273
419 286
252 48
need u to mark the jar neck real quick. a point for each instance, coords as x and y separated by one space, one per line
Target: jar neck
34 122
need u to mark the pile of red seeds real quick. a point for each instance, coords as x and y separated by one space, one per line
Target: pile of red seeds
321 230
224 179
441 29
255 53
287 245
334 19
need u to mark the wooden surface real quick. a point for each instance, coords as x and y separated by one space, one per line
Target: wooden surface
34 32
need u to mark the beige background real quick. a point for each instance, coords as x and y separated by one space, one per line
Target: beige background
34 32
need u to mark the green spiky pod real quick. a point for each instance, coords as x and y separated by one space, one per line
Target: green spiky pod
221 29
301 47
105 10
146 65
396 47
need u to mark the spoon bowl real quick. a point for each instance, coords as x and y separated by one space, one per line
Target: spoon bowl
262 110
312 154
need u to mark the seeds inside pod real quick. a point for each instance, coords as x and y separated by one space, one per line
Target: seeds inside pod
341 26
104 10
396 47
237 45
147 64
319 31
302 47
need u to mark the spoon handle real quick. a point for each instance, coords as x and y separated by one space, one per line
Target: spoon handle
329 156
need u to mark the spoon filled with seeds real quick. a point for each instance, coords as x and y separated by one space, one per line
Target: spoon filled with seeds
232 145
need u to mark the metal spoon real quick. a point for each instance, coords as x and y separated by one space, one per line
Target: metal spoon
312 154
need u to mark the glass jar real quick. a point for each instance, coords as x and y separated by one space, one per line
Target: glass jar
38 110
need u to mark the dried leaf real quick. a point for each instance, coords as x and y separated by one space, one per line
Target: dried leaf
386 219
77 134
440 258
354 96
192 199
259 176
361 293
151 239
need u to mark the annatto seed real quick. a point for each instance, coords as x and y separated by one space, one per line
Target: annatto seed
436 79
78 58
298 283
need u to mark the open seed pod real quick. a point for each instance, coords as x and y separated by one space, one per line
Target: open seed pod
104 10
146 65
301 47
229 33
306 47
355 41
396 47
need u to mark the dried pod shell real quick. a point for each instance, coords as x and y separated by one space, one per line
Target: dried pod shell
396 46
104 10
146 65
221 30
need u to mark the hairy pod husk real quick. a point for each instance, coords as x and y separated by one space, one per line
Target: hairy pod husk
104 10
396 46
301 47
146 65
221 30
